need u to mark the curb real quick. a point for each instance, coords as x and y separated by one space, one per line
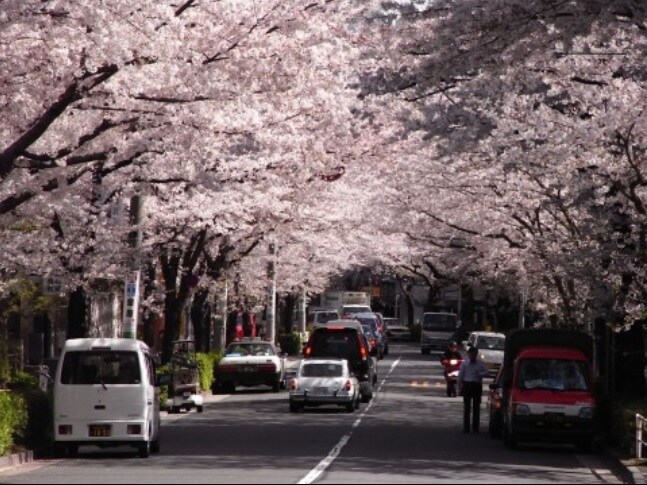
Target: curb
635 473
626 472
16 459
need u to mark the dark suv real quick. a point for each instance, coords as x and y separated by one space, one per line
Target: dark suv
345 340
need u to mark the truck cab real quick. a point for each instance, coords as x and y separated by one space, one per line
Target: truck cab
548 390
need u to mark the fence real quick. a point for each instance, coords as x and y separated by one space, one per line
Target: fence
640 423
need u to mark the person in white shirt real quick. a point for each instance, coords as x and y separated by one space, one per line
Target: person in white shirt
470 385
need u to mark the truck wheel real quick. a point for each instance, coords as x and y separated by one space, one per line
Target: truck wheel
200 408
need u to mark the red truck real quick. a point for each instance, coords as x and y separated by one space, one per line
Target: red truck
547 388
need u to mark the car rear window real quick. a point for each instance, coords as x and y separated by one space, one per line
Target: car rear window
322 370
342 343
325 317
100 367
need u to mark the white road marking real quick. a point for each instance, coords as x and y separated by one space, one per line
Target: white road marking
317 471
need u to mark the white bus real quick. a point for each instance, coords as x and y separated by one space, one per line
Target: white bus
105 394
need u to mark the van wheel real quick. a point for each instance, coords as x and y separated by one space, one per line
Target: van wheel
155 446
145 449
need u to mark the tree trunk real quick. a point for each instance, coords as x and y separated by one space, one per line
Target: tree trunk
201 318
77 326
172 323
410 309
289 301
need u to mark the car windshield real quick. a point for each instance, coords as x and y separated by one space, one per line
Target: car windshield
325 317
553 375
245 350
356 309
490 342
342 343
101 367
439 322
368 322
322 370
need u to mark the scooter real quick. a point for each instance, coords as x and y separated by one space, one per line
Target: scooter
452 366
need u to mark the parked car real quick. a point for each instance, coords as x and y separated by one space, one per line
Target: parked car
495 405
490 346
396 331
324 382
382 339
319 317
105 394
547 388
250 362
344 339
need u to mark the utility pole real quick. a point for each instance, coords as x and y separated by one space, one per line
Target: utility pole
271 304
133 280
304 309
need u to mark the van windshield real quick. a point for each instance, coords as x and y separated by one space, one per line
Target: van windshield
553 375
439 322
103 367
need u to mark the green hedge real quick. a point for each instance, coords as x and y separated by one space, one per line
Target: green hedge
206 366
291 343
13 420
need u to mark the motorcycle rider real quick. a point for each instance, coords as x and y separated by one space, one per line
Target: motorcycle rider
451 353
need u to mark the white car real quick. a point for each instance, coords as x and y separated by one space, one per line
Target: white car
396 331
324 381
490 346
250 362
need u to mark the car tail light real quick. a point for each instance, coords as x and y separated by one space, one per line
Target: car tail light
363 352
335 327
267 367
134 429
64 429
348 386
293 385
308 351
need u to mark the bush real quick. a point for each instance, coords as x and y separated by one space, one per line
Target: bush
38 432
164 370
290 343
13 419
621 427
23 380
206 365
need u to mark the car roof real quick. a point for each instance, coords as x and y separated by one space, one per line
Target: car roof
366 315
487 334
324 361
118 344
339 323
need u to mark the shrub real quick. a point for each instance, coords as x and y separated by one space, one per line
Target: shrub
13 419
38 432
23 380
291 343
164 370
206 365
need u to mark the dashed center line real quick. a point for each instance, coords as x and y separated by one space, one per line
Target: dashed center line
317 471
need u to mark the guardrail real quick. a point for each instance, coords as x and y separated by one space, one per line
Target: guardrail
640 423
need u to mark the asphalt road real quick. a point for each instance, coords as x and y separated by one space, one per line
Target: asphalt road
410 433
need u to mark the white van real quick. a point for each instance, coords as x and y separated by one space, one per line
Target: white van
105 394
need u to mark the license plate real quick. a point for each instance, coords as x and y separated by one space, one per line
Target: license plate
555 418
100 430
320 391
248 368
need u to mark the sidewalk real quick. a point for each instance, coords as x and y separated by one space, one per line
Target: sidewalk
636 470
16 459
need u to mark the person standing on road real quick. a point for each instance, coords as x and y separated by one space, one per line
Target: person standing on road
470 385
